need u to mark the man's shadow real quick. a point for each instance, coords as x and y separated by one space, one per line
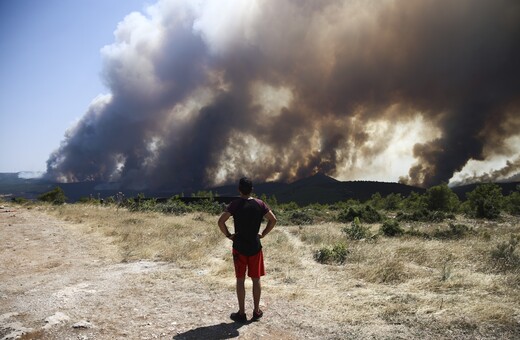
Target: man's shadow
220 331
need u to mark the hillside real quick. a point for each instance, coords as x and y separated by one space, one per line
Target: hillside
319 188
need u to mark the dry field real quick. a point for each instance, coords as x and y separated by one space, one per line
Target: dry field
177 271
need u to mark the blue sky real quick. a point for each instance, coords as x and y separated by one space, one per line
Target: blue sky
50 70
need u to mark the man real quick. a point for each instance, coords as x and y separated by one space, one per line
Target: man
248 213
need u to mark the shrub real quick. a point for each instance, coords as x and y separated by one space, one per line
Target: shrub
348 215
414 202
513 203
366 214
485 201
370 215
441 198
505 255
376 201
20 200
144 204
391 228
174 206
208 206
55 196
337 254
356 231
300 217
393 202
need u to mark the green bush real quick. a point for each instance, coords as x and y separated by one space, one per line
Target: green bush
485 201
376 201
366 214
207 206
415 202
512 203
337 254
393 202
348 215
441 198
20 200
55 196
391 228
300 217
356 231
174 206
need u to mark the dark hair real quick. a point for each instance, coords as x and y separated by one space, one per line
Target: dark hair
245 186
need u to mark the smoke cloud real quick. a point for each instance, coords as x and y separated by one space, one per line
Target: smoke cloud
203 93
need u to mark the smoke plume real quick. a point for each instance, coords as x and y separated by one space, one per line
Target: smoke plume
202 93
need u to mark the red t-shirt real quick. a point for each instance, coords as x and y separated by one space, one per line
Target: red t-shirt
247 217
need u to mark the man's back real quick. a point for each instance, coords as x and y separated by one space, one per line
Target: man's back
247 215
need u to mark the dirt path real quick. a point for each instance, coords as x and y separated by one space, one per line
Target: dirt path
60 282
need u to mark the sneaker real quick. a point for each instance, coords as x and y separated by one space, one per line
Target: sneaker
237 317
257 316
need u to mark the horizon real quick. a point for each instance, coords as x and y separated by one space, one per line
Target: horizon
39 175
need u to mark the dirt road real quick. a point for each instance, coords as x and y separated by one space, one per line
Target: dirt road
58 281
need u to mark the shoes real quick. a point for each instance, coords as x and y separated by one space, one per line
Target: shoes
257 316
237 317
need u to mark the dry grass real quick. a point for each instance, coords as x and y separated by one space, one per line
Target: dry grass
425 284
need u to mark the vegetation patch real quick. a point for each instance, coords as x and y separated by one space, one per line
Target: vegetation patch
336 254
391 228
365 214
356 231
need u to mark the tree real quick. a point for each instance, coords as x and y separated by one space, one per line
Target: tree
486 201
415 202
376 201
513 202
393 201
55 196
441 198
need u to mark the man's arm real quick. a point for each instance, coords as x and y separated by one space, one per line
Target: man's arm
271 221
222 225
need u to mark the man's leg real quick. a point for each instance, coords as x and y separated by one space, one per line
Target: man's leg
241 294
257 291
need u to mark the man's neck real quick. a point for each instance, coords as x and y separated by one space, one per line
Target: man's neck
245 196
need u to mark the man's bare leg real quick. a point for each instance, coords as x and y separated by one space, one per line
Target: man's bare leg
241 294
257 291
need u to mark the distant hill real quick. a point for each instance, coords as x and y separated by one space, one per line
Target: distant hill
323 189
11 184
315 189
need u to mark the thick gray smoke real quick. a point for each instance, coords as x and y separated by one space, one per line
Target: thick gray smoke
201 94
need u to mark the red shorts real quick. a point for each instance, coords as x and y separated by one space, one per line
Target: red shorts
253 264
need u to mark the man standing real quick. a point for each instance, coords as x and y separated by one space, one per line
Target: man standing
248 213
